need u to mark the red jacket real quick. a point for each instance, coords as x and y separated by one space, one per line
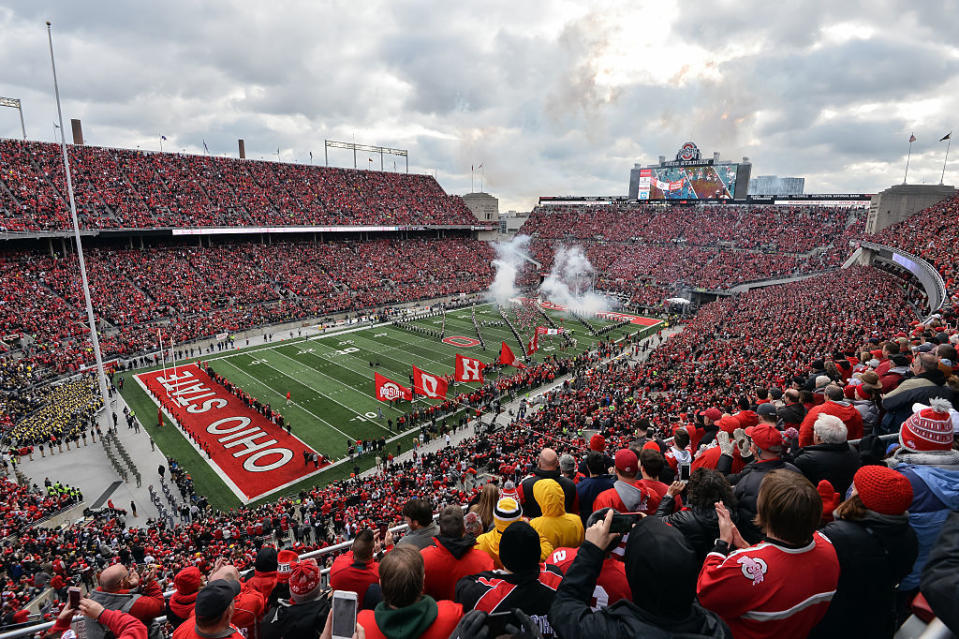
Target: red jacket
187 630
444 568
264 582
846 412
150 603
349 574
611 585
447 616
770 591
121 624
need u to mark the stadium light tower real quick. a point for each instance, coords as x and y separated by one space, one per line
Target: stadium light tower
14 103
94 338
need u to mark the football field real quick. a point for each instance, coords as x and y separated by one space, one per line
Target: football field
329 378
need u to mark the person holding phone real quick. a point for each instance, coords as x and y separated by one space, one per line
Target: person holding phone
121 624
698 521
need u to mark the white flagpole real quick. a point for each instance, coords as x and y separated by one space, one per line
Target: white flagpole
948 144
94 337
173 355
906 176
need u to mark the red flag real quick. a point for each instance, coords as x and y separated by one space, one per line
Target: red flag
387 390
507 358
533 343
468 369
430 385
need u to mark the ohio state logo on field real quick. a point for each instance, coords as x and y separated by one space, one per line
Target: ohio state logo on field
461 341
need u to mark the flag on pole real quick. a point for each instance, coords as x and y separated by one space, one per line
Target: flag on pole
430 385
386 390
912 138
163 137
533 343
947 136
468 369
507 358
206 148
480 166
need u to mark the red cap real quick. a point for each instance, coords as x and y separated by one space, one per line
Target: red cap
597 442
651 445
728 424
711 413
883 489
626 461
187 581
765 436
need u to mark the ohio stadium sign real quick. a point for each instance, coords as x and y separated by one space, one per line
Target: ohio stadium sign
253 456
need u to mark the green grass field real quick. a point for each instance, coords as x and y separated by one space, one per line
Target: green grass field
331 382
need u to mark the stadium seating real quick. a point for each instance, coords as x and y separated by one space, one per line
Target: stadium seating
117 188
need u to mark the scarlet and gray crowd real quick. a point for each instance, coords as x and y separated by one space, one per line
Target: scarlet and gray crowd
782 529
122 188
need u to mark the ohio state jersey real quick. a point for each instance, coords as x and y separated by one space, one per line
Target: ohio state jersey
611 586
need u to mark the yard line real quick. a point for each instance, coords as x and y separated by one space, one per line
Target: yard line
283 396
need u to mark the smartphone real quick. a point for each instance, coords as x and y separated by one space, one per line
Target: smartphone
74 597
382 528
496 622
684 472
344 614
622 523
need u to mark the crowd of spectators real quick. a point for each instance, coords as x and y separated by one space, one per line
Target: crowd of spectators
186 289
118 188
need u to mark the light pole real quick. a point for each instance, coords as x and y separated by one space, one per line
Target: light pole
14 103
94 338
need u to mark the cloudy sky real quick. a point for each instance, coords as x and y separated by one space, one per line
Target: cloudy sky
552 97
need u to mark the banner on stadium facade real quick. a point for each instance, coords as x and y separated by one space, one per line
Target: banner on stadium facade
252 455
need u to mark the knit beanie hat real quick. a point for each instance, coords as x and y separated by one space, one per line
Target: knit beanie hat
519 548
304 580
188 580
286 563
597 442
506 512
266 560
883 490
509 490
928 428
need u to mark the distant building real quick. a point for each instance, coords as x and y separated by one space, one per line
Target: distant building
774 185
484 206
511 221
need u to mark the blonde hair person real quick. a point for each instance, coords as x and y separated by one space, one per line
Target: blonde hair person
489 495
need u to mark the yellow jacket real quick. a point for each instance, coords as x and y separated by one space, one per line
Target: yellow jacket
561 529
489 542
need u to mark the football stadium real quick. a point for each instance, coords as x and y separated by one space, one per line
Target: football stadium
250 393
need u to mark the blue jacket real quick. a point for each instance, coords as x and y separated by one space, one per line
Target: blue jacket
935 493
588 489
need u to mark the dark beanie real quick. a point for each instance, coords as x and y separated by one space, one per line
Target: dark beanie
661 569
266 559
519 547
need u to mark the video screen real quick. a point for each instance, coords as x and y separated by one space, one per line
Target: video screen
688 182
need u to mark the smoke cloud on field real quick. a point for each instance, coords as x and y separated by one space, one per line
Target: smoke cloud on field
570 283
510 257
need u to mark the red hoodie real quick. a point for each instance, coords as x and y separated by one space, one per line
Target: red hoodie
846 412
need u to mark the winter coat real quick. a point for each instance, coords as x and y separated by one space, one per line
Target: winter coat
424 619
422 537
449 560
587 491
919 389
289 620
488 542
940 577
869 411
528 500
835 462
746 488
555 524
935 492
791 415
700 526
874 554
532 591
571 616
